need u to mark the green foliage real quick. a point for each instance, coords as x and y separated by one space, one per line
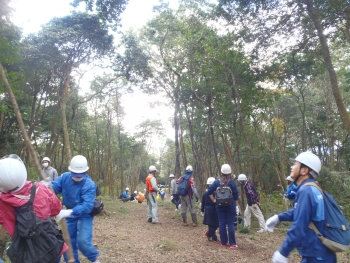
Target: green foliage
243 229
109 11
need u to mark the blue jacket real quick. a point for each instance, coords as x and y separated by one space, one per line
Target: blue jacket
308 206
212 188
78 196
291 191
125 194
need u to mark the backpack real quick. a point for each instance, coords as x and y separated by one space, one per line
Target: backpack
336 235
223 195
98 204
98 191
34 240
98 207
182 187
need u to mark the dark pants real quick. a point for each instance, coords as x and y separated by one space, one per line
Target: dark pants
226 217
211 232
176 200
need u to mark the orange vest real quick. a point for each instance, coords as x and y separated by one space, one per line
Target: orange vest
149 187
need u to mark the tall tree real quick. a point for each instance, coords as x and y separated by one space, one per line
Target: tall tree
309 23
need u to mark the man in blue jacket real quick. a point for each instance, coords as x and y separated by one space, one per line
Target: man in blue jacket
78 192
125 195
290 191
308 206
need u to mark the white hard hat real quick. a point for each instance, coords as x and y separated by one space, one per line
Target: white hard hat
135 192
242 177
290 179
13 173
210 180
78 164
189 168
171 176
152 168
127 189
226 169
310 160
46 159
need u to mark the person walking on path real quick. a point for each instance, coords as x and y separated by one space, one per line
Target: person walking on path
78 192
50 172
151 195
175 199
187 202
208 210
15 191
308 207
290 191
252 203
226 214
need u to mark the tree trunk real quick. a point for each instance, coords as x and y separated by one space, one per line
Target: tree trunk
63 104
176 128
120 143
329 65
211 129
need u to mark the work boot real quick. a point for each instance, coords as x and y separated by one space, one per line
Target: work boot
184 219
194 219
149 220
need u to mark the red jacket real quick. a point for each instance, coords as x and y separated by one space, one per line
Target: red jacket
46 204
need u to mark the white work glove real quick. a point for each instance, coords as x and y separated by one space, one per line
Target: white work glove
237 210
271 223
46 183
63 214
202 213
278 258
171 198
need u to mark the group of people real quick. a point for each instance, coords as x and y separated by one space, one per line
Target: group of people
226 217
125 196
306 203
78 192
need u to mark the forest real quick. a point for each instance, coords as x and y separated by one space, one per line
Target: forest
252 84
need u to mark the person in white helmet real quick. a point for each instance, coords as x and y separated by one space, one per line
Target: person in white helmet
187 202
226 215
125 195
50 172
208 211
308 207
175 199
78 192
15 191
151 194
253 206
290 191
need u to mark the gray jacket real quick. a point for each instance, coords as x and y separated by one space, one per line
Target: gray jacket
50 173
173 186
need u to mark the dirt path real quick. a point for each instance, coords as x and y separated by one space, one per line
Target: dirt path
125 236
